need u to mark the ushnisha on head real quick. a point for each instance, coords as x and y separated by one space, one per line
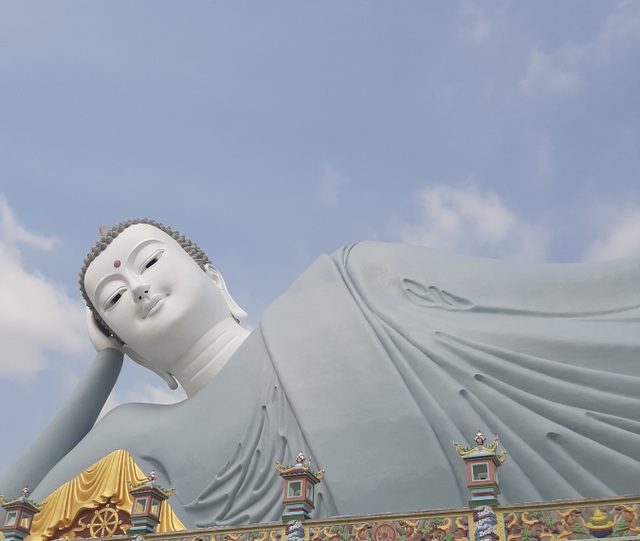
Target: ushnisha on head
157 296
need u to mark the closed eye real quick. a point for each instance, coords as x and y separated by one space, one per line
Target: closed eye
113 300
152 261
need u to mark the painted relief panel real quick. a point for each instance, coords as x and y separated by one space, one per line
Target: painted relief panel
447 528
602 521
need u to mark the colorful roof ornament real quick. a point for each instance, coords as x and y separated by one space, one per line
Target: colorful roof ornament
482 462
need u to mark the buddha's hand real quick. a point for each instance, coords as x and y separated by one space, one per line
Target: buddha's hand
98 337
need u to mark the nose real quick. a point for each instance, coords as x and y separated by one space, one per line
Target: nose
140 291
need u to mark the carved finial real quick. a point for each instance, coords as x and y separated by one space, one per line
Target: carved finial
24 493
152 476
298 499
481 446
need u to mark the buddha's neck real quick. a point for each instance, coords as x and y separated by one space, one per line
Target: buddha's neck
200 364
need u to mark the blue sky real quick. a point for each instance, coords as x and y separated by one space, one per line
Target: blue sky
272 132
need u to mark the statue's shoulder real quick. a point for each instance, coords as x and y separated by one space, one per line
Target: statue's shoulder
126 420
390 255
374 246
371 248
113 424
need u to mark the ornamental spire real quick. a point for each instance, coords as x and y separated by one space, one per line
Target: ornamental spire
483 461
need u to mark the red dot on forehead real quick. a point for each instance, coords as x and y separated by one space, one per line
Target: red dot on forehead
116 263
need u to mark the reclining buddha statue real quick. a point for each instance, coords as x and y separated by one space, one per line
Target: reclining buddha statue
373 361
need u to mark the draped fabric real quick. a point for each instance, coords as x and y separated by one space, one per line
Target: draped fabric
249 488
412 348
107 481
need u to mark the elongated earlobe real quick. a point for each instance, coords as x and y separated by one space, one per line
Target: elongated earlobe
238 313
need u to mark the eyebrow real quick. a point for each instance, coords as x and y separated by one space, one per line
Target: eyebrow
103 284
134 253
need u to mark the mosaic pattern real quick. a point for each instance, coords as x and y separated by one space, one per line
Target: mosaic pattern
250 535
447 528
602 521
485 524
258 534
295 530
188 538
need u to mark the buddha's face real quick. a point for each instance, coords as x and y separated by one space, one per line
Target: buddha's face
153 295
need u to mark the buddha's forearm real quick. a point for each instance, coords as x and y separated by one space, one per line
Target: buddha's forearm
74 420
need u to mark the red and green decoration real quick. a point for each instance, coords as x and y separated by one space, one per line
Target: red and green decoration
483 461
18 516
147 504
299 488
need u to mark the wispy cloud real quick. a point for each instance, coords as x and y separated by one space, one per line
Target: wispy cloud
562 71
331 185
36 315
556 73
11 232
621 31
473 21
619 238
469 221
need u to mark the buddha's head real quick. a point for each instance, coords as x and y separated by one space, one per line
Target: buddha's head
153 290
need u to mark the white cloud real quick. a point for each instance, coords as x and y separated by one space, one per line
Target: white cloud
331 185
36 315
621 31
469 221
557 73
473 22
621 238
561 71
13 233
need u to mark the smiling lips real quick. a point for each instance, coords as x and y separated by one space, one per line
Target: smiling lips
152 303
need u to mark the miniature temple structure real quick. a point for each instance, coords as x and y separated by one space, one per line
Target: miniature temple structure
299 488
148 499
482 461
18 516
96 503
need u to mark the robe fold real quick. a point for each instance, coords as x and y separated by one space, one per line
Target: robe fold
410 349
